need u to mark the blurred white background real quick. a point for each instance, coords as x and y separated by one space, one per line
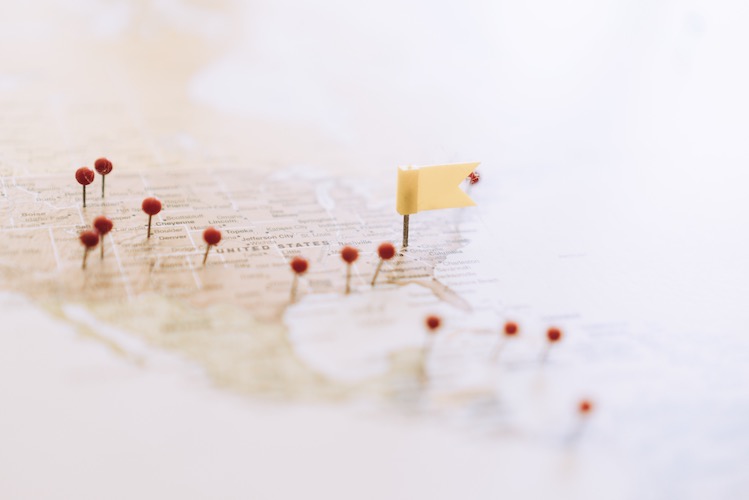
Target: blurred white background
612 129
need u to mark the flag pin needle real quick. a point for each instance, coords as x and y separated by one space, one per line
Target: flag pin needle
151 206
431 188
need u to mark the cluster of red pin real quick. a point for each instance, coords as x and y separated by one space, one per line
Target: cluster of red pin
102 225
91 237
349 255
511 329
85 175
103 167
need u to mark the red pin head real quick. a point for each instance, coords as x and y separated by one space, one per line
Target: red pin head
89 239
433 323
585 407
386 251
474 177
151 206
84 176
103 166
299 265
103 225
511 329
554 334
212 236
349 254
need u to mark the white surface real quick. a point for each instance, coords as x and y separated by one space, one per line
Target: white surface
613 139
80 422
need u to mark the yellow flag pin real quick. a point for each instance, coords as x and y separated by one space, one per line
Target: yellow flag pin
431 188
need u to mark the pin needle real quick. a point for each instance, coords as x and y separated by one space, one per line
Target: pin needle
89 239
299 265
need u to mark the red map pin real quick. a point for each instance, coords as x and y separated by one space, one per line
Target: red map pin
553 335
299 266
84 176
584 409
386 251
89 239
509 330
103 226
212 237
349 256
103 166
151 206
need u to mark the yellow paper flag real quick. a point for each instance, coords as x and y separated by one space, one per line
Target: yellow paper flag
433 187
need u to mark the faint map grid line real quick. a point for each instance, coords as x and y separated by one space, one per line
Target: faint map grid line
194 273
54 248
126 280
